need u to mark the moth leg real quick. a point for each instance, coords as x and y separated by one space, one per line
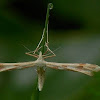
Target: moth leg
46 44
45 52
49 56
37 48
34 55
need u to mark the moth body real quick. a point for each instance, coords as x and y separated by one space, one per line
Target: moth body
41 66
41 77
40 61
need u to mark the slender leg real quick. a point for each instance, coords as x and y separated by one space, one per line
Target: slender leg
49 56
33 51
40 40
51 52
45 52
30 52
36 50
34 55
46 44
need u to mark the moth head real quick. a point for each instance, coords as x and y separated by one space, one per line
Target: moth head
40 56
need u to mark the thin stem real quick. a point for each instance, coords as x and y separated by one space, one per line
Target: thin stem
35 94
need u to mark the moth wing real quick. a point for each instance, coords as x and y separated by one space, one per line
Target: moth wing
87 69
11 66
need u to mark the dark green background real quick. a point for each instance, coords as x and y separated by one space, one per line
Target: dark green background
74 27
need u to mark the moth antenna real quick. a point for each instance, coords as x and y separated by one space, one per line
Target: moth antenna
26 47
56 49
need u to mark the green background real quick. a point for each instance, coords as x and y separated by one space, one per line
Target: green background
74 26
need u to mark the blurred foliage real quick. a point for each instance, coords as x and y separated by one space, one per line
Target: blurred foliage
74 25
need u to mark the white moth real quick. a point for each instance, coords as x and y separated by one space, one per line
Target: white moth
41 65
